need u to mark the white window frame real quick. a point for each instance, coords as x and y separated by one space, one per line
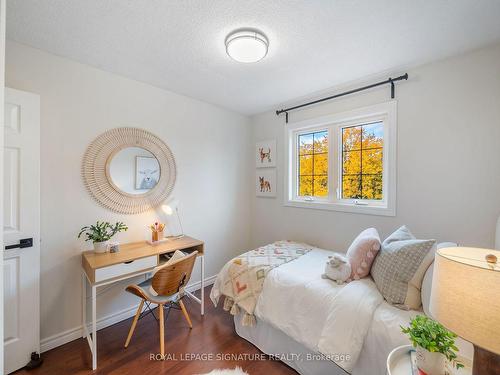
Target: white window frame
385 112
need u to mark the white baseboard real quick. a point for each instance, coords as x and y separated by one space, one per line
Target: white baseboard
62 338
197 285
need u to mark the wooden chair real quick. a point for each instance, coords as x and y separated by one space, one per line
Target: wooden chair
169 283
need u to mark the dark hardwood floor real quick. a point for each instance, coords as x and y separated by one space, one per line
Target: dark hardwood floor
212 334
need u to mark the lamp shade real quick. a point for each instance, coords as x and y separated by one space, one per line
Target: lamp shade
170 206
465 295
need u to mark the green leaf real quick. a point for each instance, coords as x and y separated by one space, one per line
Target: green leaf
431 335
102 231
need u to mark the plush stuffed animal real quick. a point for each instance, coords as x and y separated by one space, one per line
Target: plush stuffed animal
337 269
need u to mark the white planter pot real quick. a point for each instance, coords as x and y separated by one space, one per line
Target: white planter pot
430 363
101 247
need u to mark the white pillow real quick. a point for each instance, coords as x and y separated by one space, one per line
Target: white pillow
425 292
427 281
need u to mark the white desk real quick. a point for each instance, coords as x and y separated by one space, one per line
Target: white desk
132 260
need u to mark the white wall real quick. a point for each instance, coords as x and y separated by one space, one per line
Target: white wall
78 102
448 183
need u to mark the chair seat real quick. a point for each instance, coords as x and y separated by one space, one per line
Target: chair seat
148 291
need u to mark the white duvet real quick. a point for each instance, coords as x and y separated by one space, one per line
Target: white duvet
325 317
349 324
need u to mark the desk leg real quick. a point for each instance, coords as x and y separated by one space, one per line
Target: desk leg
84 305
94 333
202 285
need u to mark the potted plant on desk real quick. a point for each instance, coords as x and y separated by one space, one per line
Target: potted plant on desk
100 233
434 344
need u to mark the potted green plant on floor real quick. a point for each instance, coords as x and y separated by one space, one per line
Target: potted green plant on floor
100 233
434 344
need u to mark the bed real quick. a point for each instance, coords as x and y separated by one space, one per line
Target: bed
318 327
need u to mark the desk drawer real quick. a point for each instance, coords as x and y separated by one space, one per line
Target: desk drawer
121 269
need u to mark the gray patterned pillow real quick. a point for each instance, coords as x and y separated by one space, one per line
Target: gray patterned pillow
400 266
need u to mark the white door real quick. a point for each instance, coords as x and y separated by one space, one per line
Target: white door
21 223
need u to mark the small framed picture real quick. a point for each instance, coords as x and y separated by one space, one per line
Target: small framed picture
265 154
265 182
147 172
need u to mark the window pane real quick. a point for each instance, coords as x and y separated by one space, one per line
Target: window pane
306 144
351 138
306 165
373 135
305 186
362 161
320 186
313 164
372 187
351 162
320 164
351 187
372 161
320 142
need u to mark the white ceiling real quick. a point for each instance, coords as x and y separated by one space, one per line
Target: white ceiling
314 45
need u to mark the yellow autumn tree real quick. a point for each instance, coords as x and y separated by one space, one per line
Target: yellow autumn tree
362 161
313 164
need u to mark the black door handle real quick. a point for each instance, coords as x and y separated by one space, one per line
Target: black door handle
25 242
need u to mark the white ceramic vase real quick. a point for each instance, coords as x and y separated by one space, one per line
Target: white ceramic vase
430 363
101 247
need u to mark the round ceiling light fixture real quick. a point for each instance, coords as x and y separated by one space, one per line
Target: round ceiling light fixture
247 46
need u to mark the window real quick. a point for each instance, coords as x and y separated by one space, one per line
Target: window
313 164
344 162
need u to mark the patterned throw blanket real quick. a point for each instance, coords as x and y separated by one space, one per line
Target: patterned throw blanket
242 278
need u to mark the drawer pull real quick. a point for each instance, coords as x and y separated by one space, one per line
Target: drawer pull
130 261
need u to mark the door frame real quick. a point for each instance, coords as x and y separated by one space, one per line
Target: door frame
2 119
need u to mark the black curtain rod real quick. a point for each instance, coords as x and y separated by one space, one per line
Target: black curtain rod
387 81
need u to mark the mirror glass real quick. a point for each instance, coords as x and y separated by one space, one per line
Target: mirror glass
134 170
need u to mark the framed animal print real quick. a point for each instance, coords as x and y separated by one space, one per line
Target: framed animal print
265 182
265 154
147 172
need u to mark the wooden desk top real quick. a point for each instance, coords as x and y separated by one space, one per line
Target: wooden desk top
137 250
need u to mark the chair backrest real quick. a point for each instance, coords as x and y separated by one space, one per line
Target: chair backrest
171 278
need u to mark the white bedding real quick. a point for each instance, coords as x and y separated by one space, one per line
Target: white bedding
323 316
383 336
294 296
334 320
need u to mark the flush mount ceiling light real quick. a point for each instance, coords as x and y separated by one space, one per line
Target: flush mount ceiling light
246 46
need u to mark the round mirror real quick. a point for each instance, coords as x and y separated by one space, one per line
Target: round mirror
129 170
134 170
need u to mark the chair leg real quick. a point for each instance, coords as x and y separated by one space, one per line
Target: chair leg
162 330
186 315
134 323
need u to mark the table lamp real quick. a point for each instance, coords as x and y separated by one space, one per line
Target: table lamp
465 298
171 206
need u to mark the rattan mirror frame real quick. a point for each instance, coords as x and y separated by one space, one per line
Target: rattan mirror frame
95 166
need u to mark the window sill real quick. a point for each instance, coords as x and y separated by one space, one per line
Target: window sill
342 207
